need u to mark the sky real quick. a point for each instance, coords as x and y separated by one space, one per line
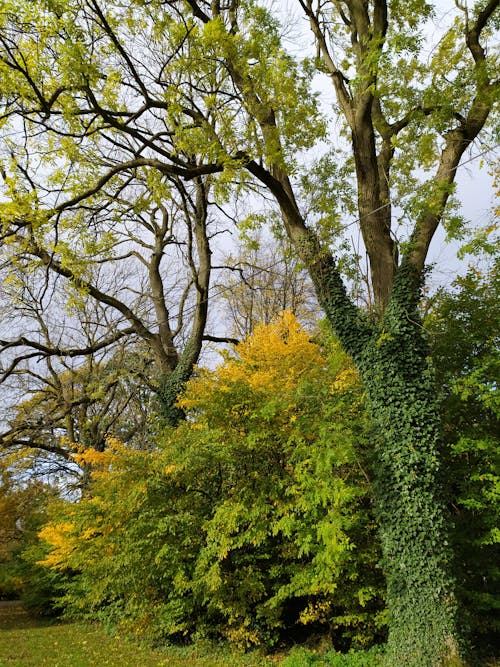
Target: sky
476 196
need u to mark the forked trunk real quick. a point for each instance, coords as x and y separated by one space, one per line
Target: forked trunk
393 359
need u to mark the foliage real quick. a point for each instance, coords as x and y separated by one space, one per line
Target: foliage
9 537
251 521
304 658
464 329
218 101
22 512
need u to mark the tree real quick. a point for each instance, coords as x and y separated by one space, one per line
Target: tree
75 409
54 402
384 116
216 82
166 247
22 512
155 219
261 284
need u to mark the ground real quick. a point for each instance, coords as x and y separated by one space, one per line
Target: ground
26 641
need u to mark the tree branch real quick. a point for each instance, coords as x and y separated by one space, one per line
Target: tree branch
47 351
186 173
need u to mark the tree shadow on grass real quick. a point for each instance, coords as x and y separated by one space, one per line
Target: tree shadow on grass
13 616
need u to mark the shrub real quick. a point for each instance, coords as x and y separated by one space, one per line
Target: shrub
250 521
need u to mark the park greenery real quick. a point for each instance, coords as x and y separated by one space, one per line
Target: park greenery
252 521
329 471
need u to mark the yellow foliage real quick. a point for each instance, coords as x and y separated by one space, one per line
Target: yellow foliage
241 636
271 360
276 355
345 380
314 612
88 456
62 540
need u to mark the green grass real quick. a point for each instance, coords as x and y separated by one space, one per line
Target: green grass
26 641
33 642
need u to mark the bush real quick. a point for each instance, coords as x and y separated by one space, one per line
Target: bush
372 657
22 513
251 521
464 325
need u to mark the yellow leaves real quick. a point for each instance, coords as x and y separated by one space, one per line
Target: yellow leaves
242 636
272 361
346 380
62 540
100 462
276 355
82 530
315 611
91 457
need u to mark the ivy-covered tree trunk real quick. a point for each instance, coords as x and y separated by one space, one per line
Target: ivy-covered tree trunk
417 556
416 552
171 384
393 358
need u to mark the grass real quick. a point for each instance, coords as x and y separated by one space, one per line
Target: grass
27 641
34 642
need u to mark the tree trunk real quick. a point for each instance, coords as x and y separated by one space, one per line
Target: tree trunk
416 551
170 387
417 557
417 560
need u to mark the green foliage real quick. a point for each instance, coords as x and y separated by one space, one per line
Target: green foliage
464 325
252 519
22 513
372 657
42 588
220 91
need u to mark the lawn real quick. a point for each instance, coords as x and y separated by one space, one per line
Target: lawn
33 642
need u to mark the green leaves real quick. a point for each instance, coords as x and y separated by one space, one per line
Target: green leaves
247 521
463 324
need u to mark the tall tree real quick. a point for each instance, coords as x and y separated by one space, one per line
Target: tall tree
152 84
143 259
70 372
400 114
97 208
